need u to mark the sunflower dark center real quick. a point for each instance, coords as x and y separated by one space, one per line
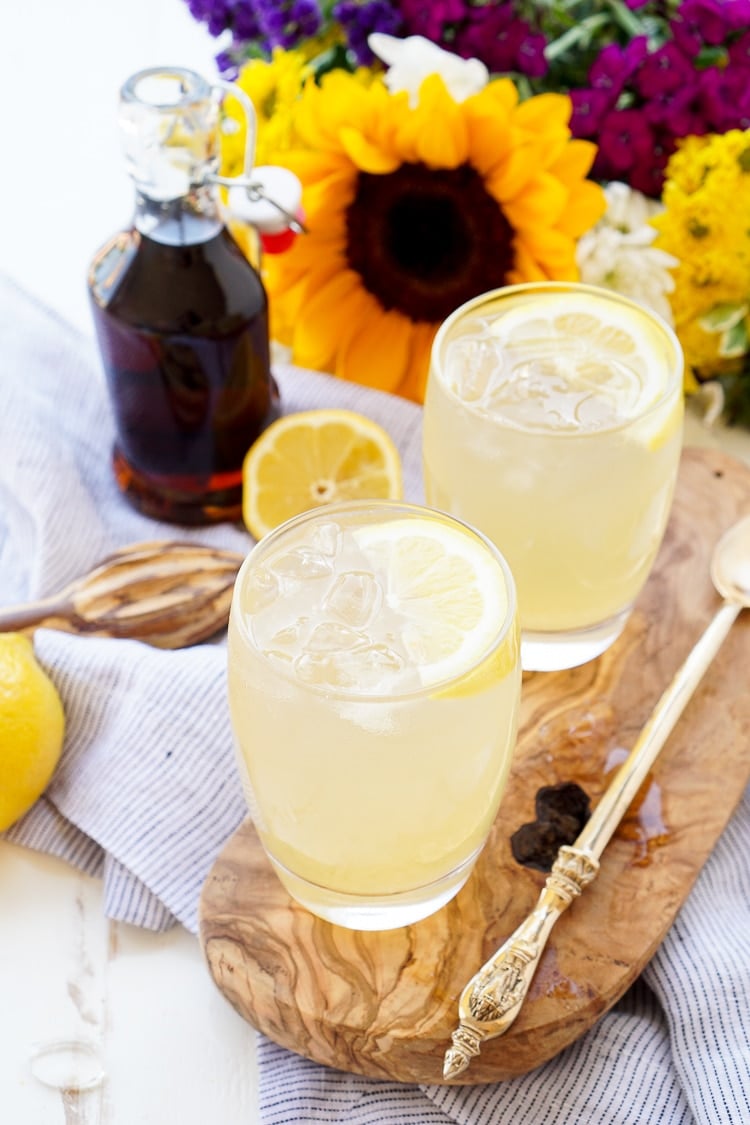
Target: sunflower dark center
425 240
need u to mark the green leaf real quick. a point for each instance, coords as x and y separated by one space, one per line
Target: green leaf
723 317
735 341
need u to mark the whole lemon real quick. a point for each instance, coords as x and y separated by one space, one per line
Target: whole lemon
32 727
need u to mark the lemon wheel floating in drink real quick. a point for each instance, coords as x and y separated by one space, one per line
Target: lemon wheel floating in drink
553 423
374 682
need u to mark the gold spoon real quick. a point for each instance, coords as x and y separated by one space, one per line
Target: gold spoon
493 997
166 593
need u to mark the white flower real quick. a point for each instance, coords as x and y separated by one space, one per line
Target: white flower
415 58
617 253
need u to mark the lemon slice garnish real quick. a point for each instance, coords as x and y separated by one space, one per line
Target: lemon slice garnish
316 457
611 350
448 590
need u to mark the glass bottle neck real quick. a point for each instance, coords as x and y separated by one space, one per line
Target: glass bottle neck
185 221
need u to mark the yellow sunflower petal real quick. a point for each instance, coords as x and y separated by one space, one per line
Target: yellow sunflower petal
318 328
499 96
543 201
313 167
584 208
526 267
367 157
377 353
544 112
521 163
574 162
553 251
489 136
414 383
436 129
333 193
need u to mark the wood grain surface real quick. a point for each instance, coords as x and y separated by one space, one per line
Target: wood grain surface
384 1004
165 593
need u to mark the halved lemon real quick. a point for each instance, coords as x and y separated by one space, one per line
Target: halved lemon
312 458
448 591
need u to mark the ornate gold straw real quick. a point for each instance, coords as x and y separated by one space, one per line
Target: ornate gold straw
493 997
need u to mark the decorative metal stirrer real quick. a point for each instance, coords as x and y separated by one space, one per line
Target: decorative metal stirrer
493 997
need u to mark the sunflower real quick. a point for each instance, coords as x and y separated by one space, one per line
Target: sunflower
412 211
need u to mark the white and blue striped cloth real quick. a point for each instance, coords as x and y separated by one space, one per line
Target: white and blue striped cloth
146 794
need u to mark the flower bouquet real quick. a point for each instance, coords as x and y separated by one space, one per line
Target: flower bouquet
451 147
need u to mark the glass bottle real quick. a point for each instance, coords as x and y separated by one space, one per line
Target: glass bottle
181 316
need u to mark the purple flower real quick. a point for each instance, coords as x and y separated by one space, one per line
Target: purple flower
531 59
360 20
214 13
285 23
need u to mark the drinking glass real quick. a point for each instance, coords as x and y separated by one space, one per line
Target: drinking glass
553 422
374 683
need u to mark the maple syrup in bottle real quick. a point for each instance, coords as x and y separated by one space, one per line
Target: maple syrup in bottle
181 316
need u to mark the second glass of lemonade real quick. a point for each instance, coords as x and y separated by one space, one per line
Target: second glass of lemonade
553 422
374 684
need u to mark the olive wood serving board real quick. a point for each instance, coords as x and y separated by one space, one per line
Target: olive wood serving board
384 1004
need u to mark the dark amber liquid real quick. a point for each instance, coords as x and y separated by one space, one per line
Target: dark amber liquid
183 333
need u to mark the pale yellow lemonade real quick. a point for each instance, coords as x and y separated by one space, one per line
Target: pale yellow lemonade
553 422
374 682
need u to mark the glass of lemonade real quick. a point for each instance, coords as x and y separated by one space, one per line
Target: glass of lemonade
553 422
374 683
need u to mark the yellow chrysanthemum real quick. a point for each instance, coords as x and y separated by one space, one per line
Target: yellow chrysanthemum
706 225
411 211
273 87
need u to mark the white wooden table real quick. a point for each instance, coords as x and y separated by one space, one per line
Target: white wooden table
171 1048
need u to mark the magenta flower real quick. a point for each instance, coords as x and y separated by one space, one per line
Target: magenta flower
676 112
615 65
664 71
648 174
700 22
428 17
739 52
626 140
725 98
589 110
494 34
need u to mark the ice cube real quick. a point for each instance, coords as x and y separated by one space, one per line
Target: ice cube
355 597
259 590
331 636
326 539
302 563
371 666
291 636
472 365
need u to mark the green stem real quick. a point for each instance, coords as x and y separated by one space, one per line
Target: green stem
627 20
581 33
